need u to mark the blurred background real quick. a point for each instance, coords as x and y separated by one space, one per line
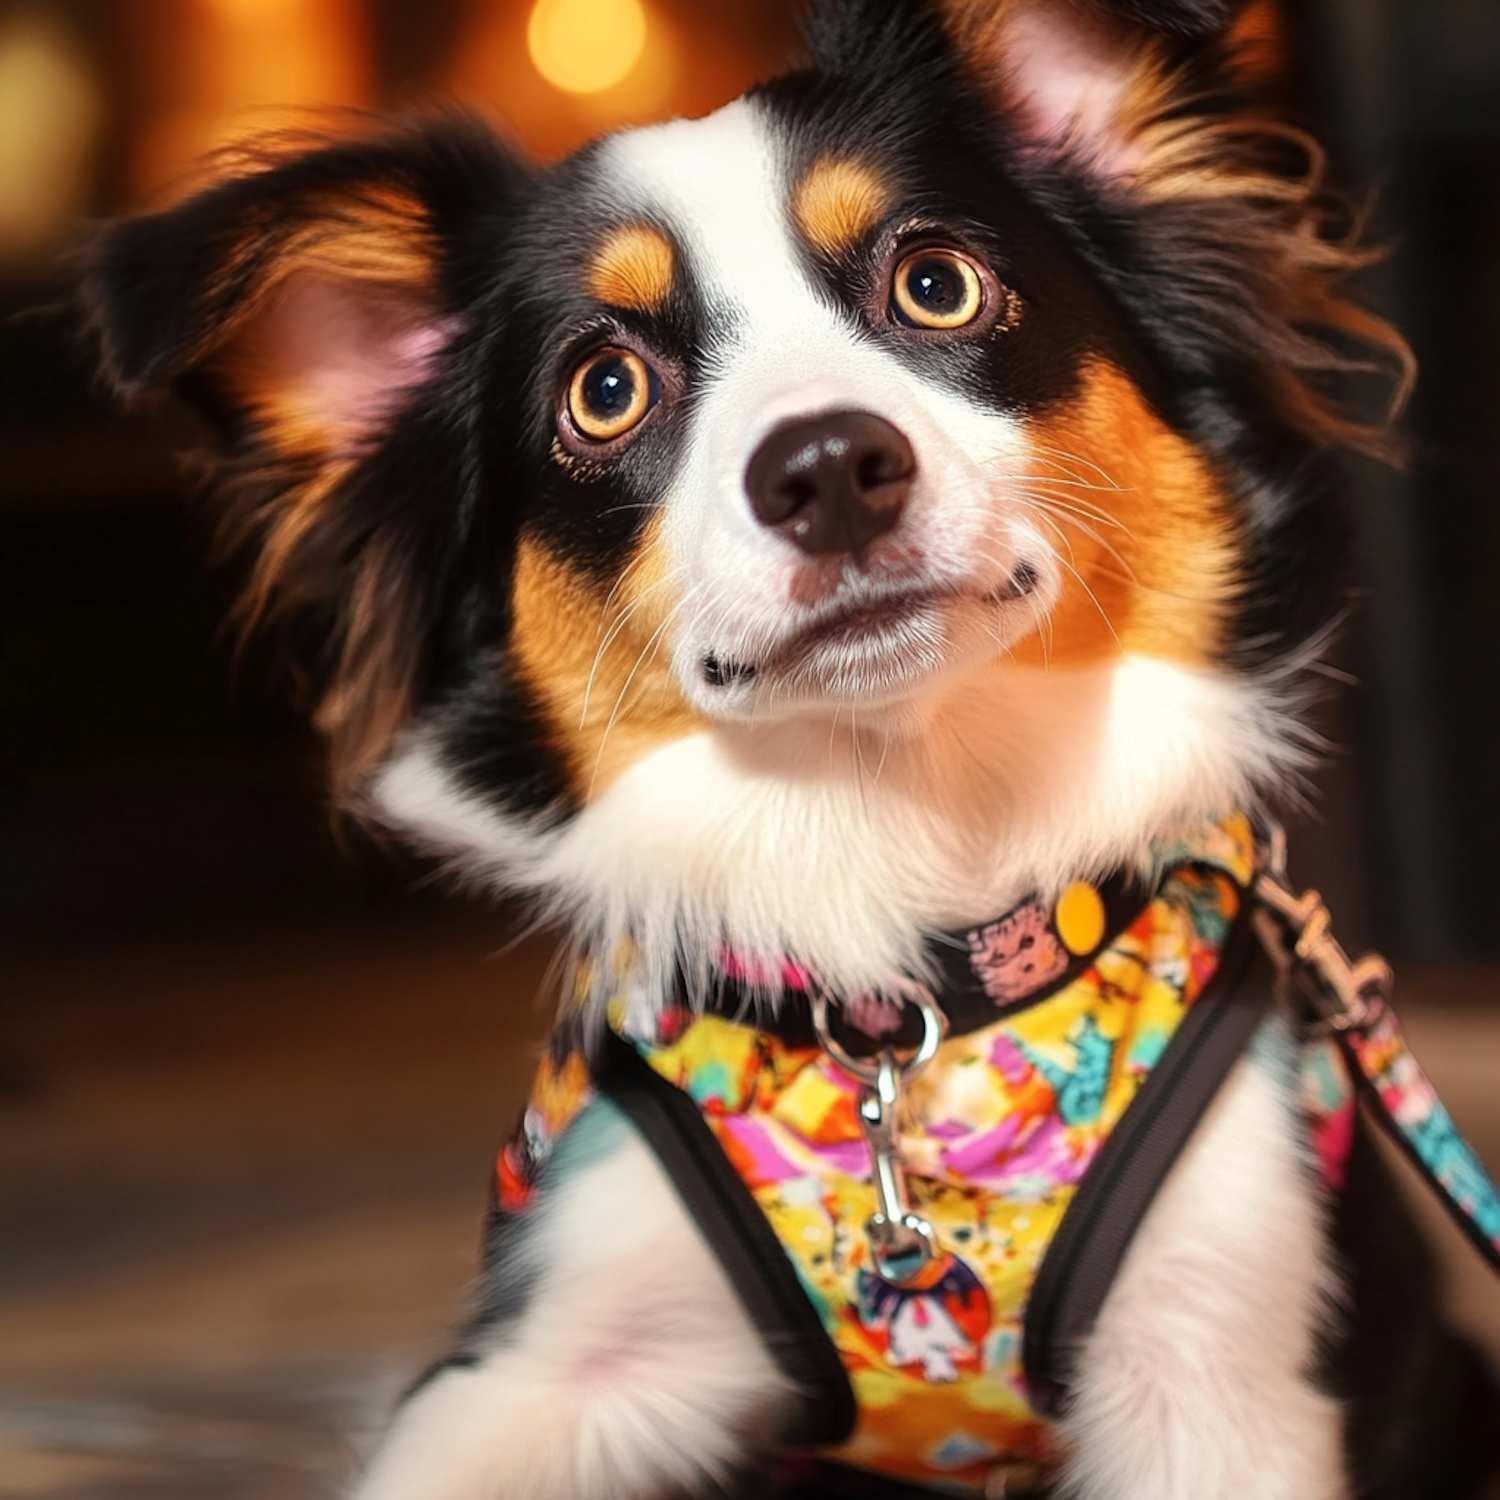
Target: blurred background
252 1066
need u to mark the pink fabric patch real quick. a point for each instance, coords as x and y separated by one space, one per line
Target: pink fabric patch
1003 1155
1009 1061
779 973
1332 1140
758 1144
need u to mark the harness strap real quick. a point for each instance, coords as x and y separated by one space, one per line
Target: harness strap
731 1221
1084 1257
1351 1000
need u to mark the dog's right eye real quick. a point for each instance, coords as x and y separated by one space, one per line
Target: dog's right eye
610 392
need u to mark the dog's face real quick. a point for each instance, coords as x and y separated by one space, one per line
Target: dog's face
912 390
813 417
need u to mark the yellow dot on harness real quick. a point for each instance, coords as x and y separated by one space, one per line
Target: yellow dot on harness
1080 917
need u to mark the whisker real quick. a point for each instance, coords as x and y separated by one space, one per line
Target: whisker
1046 511
1069 564
616 626
646 651
1076 508
1075 458
636 562
1030 476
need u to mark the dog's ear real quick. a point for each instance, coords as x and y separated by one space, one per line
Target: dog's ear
308 303
305 294
1169 112
1088 81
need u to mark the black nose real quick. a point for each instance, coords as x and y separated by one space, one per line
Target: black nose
831 483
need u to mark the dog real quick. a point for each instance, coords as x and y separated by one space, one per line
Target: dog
889 509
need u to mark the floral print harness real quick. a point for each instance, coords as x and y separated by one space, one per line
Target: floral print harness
1059 1018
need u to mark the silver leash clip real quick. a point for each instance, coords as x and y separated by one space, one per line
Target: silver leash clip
902 1243
1346 994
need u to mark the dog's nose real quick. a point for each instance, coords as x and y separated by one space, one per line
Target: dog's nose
831 483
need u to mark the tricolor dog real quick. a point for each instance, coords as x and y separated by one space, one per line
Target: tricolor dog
854 560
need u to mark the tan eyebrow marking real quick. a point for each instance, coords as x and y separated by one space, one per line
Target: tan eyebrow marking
633 268
837 203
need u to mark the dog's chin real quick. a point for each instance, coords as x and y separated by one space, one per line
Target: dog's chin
880 656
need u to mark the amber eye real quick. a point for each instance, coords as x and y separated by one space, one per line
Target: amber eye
936 289
609 394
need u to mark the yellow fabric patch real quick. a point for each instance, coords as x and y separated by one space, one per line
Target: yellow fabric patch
810 1103
715 1057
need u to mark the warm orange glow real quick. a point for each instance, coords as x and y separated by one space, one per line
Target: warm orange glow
49 114
694 58
249 12
220 68
586 46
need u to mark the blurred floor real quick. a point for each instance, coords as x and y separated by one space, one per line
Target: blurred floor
241 1194
241 1189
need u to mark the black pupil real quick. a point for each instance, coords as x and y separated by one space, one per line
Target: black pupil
935 286
609 387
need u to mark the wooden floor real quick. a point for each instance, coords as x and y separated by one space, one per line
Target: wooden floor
240 1191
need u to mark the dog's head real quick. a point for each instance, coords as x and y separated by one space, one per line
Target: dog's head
958 402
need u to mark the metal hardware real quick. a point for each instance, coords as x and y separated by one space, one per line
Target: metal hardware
902 1243
1297 931
867 1069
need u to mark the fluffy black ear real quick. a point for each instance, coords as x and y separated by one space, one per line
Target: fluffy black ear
308 288
310 302
1082 83
1165 111
1088 80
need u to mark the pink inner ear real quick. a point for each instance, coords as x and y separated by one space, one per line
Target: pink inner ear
1065 76
339 355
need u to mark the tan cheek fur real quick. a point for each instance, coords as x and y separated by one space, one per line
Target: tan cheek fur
597 661
837 204
633 269
1143 529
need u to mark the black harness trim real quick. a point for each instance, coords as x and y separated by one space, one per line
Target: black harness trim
741 1236
966 1006
1123 1179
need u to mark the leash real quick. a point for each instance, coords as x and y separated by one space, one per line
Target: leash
1350 1000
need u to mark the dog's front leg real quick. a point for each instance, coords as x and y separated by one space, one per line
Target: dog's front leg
616 1363
1198 1382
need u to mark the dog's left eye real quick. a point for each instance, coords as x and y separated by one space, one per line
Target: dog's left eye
610 393
936 289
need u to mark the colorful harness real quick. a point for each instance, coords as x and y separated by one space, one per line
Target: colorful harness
923 1202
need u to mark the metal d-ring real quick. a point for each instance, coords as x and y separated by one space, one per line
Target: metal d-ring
867 1070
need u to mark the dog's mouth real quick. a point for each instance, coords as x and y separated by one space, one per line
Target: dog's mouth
894 623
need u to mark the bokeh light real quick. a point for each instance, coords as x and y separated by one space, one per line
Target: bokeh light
586 46
49 119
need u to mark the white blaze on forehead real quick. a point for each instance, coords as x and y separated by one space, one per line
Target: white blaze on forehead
718 182
777 338
779 347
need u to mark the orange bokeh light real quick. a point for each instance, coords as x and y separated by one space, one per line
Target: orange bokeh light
586 46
